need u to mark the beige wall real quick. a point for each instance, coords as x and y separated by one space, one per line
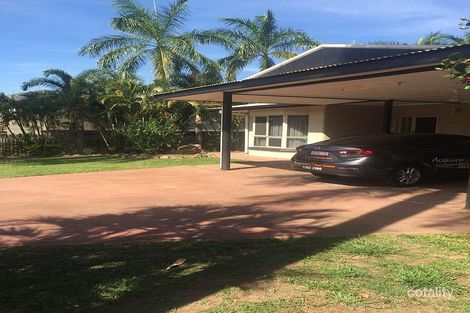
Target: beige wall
324 122
16 129
452 118
315 125
353 119
343 120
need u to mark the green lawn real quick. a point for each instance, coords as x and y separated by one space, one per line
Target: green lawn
371 274
82 164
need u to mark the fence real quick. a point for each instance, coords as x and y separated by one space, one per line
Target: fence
9 146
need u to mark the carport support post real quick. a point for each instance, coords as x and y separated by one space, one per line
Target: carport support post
387 118
226 132
467 202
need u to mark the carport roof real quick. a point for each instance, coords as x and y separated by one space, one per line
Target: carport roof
410 76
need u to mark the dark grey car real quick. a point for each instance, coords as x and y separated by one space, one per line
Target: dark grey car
403 159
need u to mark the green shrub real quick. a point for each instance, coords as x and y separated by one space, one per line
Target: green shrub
154 135
39 147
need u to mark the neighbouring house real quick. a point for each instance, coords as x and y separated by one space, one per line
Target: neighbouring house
341 90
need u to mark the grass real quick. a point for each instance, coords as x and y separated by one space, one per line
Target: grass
82 164
295 275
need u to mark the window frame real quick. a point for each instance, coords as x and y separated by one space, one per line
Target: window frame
265 131
413 123
284 138
296 137
266 136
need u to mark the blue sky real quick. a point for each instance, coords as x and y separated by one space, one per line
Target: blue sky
41 34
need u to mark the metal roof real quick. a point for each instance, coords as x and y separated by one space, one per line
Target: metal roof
327 54
410 61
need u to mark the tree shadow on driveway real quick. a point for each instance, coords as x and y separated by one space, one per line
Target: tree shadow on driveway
232 264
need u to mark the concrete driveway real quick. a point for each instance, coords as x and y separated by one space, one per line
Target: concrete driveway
260 198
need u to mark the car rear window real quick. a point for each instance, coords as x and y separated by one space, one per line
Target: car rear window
363 140
433 141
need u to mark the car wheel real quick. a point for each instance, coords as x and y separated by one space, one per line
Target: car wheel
407 175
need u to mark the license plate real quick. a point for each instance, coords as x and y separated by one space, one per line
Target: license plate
312 168
320 153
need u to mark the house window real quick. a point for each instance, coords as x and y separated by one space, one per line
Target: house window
405 125
297 130
268 131
425 125
419 125
260 131
275 131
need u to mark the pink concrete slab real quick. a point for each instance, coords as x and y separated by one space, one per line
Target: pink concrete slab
260 198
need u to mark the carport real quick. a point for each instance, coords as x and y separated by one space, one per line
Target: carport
406 77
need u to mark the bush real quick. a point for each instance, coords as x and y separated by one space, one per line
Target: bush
154 135
39 147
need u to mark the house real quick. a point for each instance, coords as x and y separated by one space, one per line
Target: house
340 90
13 128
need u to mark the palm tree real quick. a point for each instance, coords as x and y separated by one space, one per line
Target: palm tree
71 93
259 39
439 38
145 35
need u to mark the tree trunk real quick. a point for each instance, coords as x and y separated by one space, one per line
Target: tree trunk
36 126
104 138
80 136
198 129
11 133
467 201
21 128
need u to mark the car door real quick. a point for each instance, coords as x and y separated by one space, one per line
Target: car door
464 145
442 152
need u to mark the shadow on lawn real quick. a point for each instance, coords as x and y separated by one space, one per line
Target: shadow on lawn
73 160
87 278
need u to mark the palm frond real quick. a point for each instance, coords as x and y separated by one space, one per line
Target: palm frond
240 23
284 55
131 8
268 28
101 44
435 38
113 57
288 38
223 37
133 63
454 39
232 65
266 62
42 82
173 17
